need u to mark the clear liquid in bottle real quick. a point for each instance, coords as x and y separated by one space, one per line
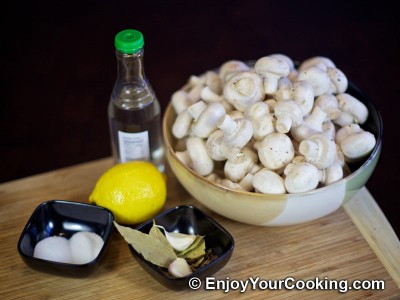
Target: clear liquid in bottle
136 131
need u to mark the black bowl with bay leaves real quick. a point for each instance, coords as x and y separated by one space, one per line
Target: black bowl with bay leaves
211 249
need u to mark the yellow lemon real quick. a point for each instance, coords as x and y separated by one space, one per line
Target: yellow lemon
134 191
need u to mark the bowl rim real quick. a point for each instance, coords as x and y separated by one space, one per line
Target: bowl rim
271 197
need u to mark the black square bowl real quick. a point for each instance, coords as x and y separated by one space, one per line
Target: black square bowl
189 220
64 218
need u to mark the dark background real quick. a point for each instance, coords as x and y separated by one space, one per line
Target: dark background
58 67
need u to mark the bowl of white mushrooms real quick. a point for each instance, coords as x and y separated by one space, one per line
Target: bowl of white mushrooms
271 142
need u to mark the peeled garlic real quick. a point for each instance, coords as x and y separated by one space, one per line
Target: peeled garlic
178 241
179 268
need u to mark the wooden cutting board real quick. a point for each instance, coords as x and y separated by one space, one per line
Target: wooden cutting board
331 248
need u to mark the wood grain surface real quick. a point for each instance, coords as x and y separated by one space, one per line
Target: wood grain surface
331 247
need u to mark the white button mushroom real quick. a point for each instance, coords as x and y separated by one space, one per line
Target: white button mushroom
303 94
268 182
230 68
235 171
195 93
311 124
353 110
301 177
212 90
218 150
208 95
292 69
237 132
329 129
285 89
200 161
331 174
300 91
213 82
275 150
345 131
207 121
329 104
180 101
318 150
277 111
271 69
243 89
339 82
261 119
182 123
357 145
317 77
288 114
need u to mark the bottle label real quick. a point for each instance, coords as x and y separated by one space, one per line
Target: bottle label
134 146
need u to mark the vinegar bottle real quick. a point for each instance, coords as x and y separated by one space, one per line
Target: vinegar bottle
134 112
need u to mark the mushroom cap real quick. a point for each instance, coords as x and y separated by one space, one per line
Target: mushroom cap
182 123
230 68
339 82
350 104
272 66
275 150
256 110
285 58
332 174
319 150
180 101
317 77
301 177
316 60
345 131
268 182
357 145
243 89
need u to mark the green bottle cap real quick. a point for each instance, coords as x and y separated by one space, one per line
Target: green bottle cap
129 41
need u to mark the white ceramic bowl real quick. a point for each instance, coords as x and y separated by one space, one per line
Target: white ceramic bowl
276 210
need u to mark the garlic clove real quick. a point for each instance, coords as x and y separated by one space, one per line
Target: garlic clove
179 268
179 241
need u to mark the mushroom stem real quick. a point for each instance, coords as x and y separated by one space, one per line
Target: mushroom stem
227 124
284 123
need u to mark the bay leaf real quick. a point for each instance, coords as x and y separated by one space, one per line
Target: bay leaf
197 249
152 249
157 233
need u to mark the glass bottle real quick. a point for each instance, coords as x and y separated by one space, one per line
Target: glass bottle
134 111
